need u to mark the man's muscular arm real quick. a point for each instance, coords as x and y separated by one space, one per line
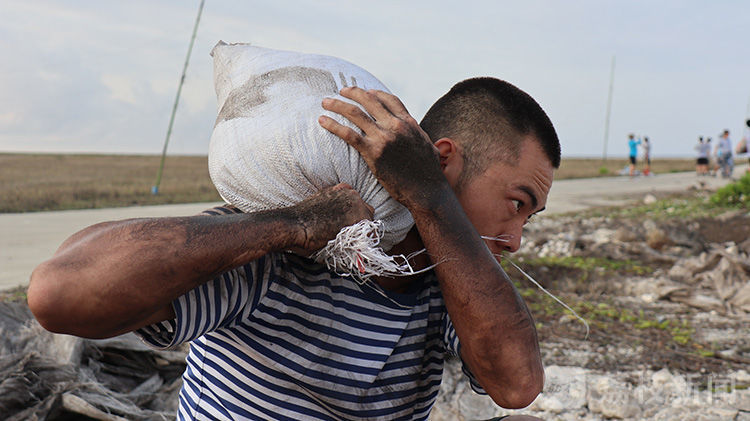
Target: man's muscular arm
496 331
115 277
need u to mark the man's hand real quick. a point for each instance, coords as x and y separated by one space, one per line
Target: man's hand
396 149
324 214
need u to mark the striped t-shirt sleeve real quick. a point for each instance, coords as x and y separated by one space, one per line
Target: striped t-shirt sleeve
217 303
453 347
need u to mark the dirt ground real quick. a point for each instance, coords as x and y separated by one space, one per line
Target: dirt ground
603 279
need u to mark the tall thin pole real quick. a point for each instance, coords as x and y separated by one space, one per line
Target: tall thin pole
609 109
155 188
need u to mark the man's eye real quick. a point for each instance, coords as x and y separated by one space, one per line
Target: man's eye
518 204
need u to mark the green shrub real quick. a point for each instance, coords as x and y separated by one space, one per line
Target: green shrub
735 194
603 170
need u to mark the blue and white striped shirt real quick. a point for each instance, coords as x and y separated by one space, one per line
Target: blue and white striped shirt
283 338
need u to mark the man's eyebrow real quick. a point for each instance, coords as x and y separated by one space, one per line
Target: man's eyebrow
534 200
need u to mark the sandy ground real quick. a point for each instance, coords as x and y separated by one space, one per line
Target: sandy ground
29 238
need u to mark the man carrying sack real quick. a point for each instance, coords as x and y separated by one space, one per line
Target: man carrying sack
276 335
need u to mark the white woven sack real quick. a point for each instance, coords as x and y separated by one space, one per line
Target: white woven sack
267 149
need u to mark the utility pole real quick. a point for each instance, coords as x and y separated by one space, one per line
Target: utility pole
155 188
609 109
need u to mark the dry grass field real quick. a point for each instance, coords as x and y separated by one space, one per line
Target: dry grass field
595 167
30 182
39 182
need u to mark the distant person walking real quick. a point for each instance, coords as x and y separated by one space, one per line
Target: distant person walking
633 145
703 150
723 152
743 146
646 156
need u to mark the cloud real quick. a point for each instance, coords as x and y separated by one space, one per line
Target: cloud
7 120
121 88
103 76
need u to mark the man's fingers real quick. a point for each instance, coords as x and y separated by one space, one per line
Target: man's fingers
392 103
377 103
370 211
346 133
369 101
352 113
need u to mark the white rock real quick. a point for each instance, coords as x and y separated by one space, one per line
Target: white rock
616 403
724 413
550 404
567 385
740 399
649 199
602 235
473 406
601 384
443 413
621 406
648 298
661 377
705 413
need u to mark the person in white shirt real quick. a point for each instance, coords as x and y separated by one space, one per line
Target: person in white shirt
723 152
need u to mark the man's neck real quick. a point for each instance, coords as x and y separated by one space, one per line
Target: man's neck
410 244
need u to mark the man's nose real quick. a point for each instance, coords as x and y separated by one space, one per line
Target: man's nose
514 240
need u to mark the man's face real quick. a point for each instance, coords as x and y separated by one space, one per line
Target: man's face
500 201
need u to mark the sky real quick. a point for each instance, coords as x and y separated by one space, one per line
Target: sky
82 76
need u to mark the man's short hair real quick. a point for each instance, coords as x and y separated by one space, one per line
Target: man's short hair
489 119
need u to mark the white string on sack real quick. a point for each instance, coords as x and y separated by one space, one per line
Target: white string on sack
356 252
585 323
507 238
503 238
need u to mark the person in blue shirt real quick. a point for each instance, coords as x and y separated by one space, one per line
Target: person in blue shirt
633 145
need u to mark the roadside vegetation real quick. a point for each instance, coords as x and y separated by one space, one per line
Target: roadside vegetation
585 284
736 194
696 204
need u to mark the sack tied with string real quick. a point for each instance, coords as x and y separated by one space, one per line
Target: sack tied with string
267 150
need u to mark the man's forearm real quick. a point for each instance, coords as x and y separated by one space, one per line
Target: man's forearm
496 331
111 278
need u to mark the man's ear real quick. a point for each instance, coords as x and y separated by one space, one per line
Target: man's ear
451 159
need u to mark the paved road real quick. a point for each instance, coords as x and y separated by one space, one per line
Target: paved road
574 195
26 239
